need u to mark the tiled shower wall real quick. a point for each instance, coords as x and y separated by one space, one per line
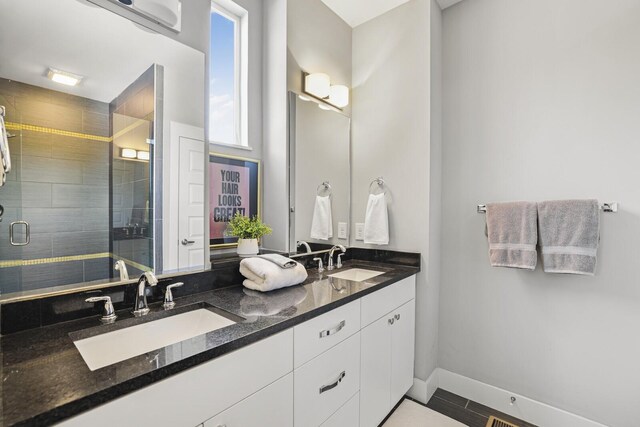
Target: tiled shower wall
61 182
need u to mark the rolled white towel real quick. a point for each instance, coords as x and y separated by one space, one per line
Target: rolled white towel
264 275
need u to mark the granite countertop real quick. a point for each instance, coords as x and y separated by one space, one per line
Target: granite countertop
45 379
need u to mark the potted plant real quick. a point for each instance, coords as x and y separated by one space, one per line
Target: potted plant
248 231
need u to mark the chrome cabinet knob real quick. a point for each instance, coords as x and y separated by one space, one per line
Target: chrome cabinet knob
391 321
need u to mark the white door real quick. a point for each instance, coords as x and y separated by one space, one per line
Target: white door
375 372
270 407
402 346
191 221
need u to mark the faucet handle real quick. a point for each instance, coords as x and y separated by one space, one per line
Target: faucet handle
168 296
320 265
339 262
108 313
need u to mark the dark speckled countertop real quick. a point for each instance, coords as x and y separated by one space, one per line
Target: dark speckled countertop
45 379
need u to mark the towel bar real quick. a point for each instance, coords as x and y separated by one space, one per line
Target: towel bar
605 207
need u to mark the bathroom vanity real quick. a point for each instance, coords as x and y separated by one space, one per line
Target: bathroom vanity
343 348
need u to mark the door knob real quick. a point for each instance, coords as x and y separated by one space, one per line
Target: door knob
188 242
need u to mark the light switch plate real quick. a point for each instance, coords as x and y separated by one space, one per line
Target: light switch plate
342 230
359 231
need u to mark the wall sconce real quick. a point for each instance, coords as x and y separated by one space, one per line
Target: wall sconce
130 153
318 86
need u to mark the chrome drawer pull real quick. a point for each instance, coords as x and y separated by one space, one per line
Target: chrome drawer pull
334 330
333 385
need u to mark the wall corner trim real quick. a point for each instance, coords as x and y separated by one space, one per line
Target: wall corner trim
423 390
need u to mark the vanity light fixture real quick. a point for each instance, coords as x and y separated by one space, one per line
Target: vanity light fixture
339 96
324 107
63 77
318 86
128 153
143 155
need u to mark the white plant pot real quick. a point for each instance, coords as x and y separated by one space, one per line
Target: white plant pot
247 247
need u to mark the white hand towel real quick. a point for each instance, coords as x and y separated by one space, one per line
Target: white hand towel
264 275
376 220
5 155
321 223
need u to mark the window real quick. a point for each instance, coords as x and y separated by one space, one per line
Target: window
228 74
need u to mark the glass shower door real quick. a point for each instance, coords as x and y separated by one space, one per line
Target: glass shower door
13 230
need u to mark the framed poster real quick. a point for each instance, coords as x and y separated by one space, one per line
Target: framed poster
234 187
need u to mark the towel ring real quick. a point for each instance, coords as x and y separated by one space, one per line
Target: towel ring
324 186
379 181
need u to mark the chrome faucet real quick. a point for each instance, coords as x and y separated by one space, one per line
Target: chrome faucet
333 249
305 244
141 308
122 268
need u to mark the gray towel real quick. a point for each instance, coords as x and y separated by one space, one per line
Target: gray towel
569 235
279 260
513 234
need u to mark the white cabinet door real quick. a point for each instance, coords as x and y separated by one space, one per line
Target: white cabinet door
402 346
270 407
347 416
375 372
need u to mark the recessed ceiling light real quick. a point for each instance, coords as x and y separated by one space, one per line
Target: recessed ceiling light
63 77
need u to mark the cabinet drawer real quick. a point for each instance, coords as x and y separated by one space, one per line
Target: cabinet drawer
317 335
379 303
270 407
324 384
347 416
197 394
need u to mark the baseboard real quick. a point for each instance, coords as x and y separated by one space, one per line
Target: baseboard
524 408
423 390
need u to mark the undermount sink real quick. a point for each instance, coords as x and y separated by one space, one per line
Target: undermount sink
356 274
113 347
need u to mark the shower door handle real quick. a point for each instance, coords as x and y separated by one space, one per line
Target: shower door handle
26 231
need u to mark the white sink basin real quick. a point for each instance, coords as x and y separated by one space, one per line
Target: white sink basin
356 274
113 347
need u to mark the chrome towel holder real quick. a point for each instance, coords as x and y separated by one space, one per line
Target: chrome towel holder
324 186
608 207
379 181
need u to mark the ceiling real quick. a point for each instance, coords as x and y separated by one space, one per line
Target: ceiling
76 36
356 12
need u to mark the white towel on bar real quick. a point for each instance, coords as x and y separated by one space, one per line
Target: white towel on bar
5 156
264 275
569 235
376 220
322 223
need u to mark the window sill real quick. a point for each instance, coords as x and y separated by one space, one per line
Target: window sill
236 146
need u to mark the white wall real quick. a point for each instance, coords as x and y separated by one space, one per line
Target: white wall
541 101
318 41
391 138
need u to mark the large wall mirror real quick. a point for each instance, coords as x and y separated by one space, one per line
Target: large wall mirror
88 98
319 150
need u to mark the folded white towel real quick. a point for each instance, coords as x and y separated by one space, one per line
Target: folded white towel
376 220
279 260
513 234
569 235
321 223
264 275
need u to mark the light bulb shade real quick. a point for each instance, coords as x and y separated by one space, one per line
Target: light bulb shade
324 107
317 84
339 96
143 155
128 153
